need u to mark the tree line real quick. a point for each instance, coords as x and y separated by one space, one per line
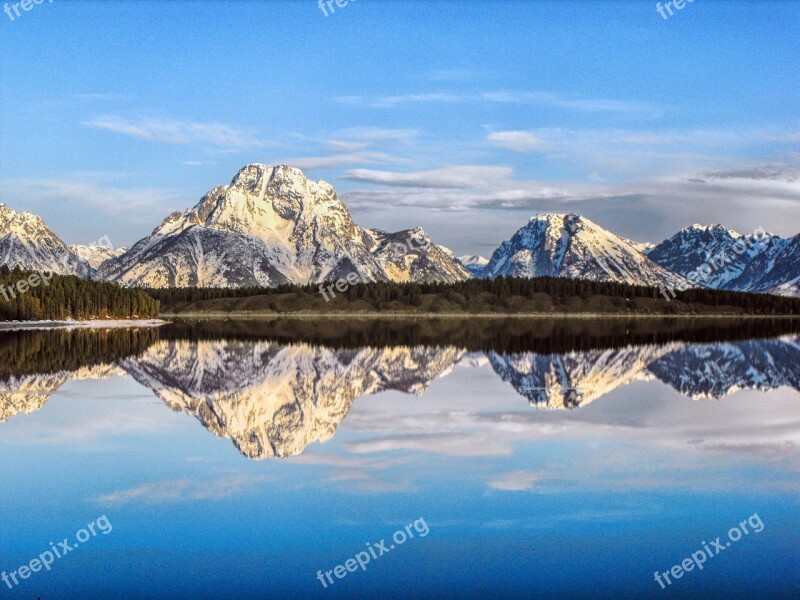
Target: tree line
501 290
69 297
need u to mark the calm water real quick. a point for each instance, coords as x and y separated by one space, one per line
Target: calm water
530 459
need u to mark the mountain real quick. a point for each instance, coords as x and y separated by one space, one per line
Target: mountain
716 370
26 242
474 263
411 256
272 226
96 255
720 258
569 245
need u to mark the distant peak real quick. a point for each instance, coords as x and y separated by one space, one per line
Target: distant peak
699 227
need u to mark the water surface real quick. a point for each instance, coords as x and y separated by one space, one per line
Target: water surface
547 459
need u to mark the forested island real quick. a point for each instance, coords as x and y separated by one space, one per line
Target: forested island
503 296
33 296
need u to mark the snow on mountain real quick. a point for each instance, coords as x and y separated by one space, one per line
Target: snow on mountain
643 247
26 242
27 393
474 263
721 258
569 245
96 255
270 226
412 256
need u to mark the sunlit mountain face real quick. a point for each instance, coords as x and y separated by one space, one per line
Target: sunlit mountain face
275 398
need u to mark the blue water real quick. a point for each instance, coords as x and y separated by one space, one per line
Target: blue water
519 501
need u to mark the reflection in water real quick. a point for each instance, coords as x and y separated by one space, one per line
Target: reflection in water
696 370
34 364
274 399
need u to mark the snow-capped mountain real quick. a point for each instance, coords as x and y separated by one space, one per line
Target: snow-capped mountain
569 245
716 370
270 226
96 255
474 263
26 242
724 259
412 256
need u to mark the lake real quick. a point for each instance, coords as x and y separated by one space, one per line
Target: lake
402 459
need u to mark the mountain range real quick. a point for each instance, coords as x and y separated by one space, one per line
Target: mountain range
272 226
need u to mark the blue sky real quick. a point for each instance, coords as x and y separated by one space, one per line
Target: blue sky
463 117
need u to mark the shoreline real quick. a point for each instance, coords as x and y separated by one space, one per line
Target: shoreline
89 324
430 315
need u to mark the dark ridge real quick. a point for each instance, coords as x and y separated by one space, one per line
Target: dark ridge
502 295
48 351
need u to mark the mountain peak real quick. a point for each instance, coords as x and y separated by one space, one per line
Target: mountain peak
27 242
721 258
570 245
272 225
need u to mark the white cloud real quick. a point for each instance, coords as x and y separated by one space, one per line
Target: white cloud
455 444
518 141
534 98
338 160
180 490
346 146
109 198
461 176
515 481
176 131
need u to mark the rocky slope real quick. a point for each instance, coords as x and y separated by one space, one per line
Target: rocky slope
28 393
271 226
26 242
97 255
572 246
720 258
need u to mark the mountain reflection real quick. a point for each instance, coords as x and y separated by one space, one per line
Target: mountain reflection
695 370
274 398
